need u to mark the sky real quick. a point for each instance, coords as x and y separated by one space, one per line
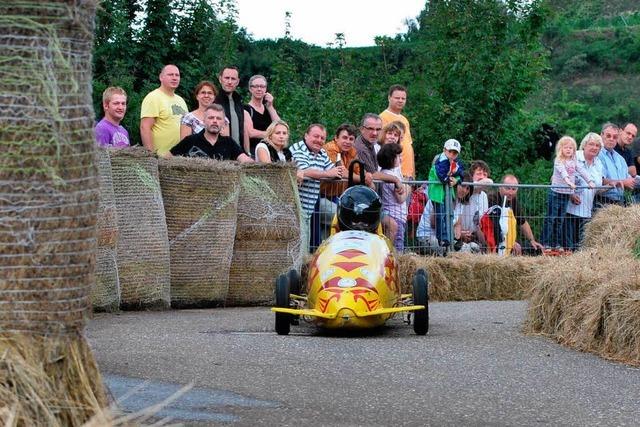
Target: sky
317 21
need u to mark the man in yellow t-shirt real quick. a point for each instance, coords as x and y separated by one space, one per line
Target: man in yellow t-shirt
397 97
161 112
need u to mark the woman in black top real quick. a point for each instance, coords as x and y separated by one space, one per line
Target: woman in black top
273 148
260 109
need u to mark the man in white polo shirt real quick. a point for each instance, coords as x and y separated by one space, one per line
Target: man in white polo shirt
313 164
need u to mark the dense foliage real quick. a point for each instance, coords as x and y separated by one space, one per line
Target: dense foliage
501 76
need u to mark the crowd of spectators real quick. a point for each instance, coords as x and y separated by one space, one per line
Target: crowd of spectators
460 209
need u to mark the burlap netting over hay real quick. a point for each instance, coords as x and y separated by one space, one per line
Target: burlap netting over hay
48 206
590 301
105 294
143 245
268 232
200 201
614 226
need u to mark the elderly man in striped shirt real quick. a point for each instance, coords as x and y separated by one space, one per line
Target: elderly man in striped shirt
313 165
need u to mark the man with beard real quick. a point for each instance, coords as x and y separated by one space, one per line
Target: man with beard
208 142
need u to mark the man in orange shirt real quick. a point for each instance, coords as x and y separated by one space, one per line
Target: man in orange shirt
342 145
397 97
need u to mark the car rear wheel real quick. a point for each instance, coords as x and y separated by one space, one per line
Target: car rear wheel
283 320
421 297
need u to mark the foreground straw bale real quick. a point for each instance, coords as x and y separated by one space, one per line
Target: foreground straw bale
105 294
143 244
466 277
614 226
590 301
200 200
48 208
267 240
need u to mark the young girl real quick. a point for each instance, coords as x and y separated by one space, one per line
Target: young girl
391 134
394 208
563 184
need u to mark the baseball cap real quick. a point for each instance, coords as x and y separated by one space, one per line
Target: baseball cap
452 144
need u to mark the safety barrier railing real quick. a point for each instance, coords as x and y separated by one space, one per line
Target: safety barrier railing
524 228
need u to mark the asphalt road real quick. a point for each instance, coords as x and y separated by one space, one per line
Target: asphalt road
474 368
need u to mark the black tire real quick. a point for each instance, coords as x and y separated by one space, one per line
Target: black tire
294 282
283 320
421 297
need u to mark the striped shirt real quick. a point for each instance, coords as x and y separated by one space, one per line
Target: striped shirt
305 159
586 195
614 167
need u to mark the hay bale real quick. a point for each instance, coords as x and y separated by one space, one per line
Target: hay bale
269 205
622 325
613 226
200 200
255 266
47 214
565 281
143 244
105 293
466 277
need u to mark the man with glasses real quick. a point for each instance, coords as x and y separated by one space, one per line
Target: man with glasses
370 128
615 169
510 192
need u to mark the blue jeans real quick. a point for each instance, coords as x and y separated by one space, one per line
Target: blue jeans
442 223
574 230
552 231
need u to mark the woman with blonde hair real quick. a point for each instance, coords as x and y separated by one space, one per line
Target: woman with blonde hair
273 148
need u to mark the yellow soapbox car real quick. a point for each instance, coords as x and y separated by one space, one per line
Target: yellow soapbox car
352 283
352 279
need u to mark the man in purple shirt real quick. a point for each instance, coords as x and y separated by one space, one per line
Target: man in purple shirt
109 132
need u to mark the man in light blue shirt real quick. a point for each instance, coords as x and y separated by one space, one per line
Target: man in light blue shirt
615 171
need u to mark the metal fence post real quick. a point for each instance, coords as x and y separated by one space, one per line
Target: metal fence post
449 215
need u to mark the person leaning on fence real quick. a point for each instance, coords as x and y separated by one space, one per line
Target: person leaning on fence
580 205
508 195
394 206
615 169
391 134
563 185
109 131
313 165
468 209
273 148
426 232
341 152
447 170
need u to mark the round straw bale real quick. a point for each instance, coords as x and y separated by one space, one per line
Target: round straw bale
614 226
566 281
269 205
622 324
255 266
143 244
107 221
200 200
105 294
48 211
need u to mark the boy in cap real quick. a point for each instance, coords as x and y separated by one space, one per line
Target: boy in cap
446 170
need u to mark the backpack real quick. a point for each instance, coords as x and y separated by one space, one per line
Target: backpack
498 225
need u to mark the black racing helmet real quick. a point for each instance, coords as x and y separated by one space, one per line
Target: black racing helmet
359 209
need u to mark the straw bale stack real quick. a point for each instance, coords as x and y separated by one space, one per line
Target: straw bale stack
200 200
614 226
143 244
105 294
465 277
48 212
588 301
267 240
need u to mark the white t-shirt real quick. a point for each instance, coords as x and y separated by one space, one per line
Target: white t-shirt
263 146
469 214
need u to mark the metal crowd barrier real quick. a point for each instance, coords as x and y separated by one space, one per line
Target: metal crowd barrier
531 198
